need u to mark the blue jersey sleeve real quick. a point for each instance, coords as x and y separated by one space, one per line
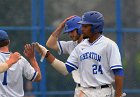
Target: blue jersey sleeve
70 67
119 72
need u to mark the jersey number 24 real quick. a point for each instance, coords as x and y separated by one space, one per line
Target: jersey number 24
97 69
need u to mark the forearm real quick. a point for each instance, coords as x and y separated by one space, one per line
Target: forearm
58 30
119 85
3 67
36 67
9 63
54 37
52 40
57 64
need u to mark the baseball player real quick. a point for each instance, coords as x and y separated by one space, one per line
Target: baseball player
14 57
70 26
11 81
98 59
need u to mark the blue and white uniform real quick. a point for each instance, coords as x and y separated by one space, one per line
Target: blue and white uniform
95 62
11 81
66 47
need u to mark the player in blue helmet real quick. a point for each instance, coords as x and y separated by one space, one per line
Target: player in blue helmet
106 50
97 58
73 29
72 24
95 19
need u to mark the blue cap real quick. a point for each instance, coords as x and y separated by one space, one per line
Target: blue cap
3 35
72 24
92 17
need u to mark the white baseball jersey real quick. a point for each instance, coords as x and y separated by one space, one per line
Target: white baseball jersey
95 61
11 81
66 47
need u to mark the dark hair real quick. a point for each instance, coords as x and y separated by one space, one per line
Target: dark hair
4 43
101 32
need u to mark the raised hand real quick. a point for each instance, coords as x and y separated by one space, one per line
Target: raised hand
29 51
62 24
14 57
40 49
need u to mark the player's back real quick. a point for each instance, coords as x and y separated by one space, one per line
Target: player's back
11 81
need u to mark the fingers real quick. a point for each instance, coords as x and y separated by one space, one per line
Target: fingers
35 45
14 57
29 51
70 17
123 94
17 54
28 47
24 52
38 47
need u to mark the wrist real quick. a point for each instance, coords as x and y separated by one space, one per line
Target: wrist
32 59
118 95
9 63
3 67
47 54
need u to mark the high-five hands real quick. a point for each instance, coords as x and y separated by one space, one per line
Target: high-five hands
40 49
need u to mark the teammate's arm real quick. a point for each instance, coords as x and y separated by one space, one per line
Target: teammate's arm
14 57
54 36
29 53
57 64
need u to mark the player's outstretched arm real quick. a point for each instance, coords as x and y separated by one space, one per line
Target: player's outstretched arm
14 57
57 64
29 53
54 36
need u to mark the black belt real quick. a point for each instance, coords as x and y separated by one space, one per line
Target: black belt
103 86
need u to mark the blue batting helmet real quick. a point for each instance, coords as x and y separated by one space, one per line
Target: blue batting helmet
3 35
94 18
72 24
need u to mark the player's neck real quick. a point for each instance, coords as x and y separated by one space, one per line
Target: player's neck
94 37
80 39
4 49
